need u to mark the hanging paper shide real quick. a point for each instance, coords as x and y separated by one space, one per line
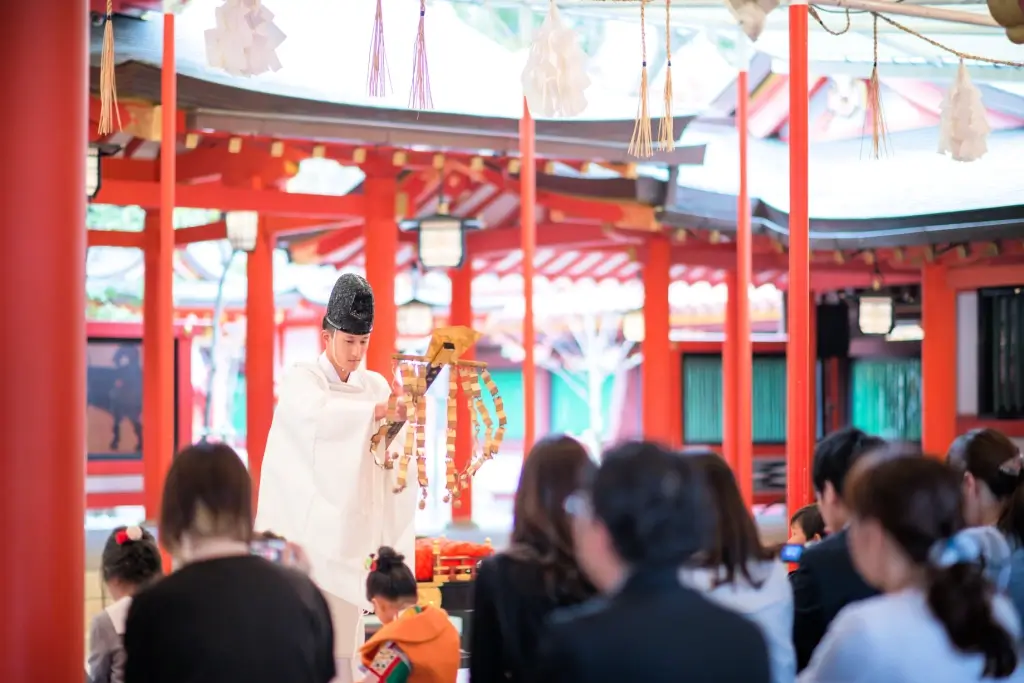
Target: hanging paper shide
963 127
244 40
555 76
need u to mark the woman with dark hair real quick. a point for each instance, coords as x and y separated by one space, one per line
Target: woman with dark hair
736 571
940 618
641 518
416 642
225 614
130 562
517 589
993 473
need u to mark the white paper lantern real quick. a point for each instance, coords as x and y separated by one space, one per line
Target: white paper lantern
244 40
633 327
242 228
555 76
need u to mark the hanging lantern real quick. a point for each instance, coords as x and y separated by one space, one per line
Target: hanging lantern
442 238
242 228
92 172
875 315
633 326
415 319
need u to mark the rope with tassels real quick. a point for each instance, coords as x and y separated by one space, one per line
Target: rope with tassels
666 132
420 96
640 144
108 80
879 135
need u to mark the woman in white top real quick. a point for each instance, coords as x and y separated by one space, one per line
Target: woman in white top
940 619
737 572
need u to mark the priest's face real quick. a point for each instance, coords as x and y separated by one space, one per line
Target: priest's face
345 351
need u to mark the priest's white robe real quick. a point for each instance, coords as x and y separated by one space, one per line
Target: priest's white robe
321 487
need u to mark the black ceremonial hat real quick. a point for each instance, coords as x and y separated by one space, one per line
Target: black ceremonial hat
350 308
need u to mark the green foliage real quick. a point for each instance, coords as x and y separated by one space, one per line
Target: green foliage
132 218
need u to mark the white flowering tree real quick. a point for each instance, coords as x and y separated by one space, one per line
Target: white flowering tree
584 354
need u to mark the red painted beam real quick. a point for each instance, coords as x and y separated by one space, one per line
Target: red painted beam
115 238
147 195
201 233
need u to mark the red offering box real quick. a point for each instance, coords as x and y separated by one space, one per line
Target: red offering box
439 560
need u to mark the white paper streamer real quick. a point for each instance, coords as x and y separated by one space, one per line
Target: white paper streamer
555 76
751 14
963 127
244 40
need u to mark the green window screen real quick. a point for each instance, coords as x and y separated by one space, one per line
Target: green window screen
887 397
570 414
703 407
510 388
702 399
769 404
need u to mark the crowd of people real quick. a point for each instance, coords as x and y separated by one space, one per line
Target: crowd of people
645 566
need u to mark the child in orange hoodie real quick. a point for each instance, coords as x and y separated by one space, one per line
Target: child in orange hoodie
416 644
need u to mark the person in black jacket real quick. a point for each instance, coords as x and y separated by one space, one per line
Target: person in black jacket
225 614
826 580
516 590
634 526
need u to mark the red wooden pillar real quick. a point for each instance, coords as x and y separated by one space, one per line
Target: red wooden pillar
44 78
799 447
656 347
729 354
381 235
158 301
528 231
744 362
259 351
938 361
462 314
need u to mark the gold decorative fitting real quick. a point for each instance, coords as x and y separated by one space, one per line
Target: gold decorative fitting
555 216
277 149
319 151
235 145
416 374
359 155
514 165
191 140
992 249
715 237
869 258
549 168
476 164
839 257
399 158
961 252
438 162
897 255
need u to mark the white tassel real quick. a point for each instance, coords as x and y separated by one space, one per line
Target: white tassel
963 129
555 76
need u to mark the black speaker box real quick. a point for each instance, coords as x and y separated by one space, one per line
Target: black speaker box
833 330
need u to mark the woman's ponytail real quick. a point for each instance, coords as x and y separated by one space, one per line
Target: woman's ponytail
964 573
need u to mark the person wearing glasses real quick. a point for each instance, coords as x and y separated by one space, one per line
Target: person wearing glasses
635 524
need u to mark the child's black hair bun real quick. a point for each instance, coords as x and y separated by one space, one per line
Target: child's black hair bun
388 558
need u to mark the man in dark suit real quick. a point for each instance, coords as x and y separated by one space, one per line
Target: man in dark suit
826 581
640 519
